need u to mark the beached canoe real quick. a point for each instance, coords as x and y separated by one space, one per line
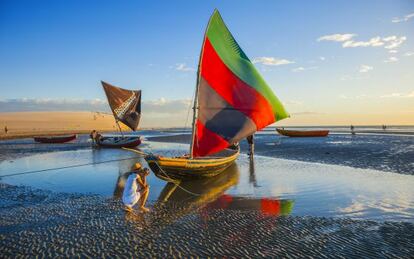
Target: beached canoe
55 139
118 141
303 133
183 168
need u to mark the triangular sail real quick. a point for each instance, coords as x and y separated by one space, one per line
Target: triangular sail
233 99
125 104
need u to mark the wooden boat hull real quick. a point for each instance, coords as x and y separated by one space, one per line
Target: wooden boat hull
182 168
300 133
55 139
118 142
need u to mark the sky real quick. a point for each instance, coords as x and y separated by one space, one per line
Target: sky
329 62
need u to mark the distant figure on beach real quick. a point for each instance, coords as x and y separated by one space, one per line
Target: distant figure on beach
136 189
250 140
6 129
352 130
95 136
384 127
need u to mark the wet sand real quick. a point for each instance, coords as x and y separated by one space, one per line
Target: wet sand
50 224
35 222
390 153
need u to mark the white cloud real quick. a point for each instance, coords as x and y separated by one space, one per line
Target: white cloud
166 106
271 61
408 54
337 37
399 95
403 19
183 67
391 60
47 104
300 69
373 42
389 42
365 68
361 96
393 51
293 103
160 106
395 42
322 58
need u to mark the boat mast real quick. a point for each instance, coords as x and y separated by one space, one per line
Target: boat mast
119 127
195 113
195 106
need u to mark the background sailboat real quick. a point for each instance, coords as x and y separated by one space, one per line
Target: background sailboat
126 107
303 133
232 101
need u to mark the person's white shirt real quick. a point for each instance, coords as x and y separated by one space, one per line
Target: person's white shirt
131 195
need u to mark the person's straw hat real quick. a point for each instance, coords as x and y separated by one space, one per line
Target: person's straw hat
136 167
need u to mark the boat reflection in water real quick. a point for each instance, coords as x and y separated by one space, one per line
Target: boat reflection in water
209 194
205 195
196 193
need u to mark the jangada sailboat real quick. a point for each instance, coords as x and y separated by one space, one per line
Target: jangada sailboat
232 101
126 107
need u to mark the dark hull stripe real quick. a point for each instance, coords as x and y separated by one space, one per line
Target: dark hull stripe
221 118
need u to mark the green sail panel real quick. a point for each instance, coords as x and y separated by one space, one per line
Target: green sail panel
237 61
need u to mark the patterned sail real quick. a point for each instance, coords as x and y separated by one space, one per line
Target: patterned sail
125 104
233 99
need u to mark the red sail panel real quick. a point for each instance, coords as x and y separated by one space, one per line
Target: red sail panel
233 99
207 142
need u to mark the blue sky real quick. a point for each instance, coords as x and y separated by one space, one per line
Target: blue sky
62 49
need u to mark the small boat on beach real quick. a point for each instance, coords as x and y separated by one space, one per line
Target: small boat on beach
118 141
126 108
55 139
232 101
303 133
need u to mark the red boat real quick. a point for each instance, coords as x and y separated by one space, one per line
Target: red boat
303 133
118 141
55 139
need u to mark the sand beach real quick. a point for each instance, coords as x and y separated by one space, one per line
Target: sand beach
29 124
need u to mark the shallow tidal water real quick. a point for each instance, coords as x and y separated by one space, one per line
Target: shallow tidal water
311 189
64 200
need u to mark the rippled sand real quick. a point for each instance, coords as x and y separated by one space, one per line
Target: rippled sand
34 222
49 224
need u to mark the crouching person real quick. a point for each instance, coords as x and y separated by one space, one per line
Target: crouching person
136 189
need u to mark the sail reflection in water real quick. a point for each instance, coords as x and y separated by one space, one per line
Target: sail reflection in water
209 194
266 206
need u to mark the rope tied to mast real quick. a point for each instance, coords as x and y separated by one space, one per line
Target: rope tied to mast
169 179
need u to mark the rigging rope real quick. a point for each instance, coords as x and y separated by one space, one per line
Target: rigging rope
177 184
163 172
65 167
102 162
